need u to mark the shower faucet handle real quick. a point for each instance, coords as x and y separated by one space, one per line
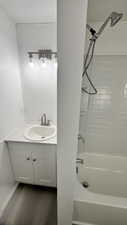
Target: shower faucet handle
79 160
80 137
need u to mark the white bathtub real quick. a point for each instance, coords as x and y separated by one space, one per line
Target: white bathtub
104 202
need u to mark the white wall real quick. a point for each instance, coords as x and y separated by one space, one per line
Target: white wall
39 84
71 33
105 115
11 105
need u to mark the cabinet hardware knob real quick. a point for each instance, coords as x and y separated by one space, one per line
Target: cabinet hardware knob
34 160
28 158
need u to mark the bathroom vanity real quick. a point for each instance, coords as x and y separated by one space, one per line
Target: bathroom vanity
33 162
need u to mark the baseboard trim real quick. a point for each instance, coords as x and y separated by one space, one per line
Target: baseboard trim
8 199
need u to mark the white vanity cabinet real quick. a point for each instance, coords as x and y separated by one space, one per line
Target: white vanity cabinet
33 163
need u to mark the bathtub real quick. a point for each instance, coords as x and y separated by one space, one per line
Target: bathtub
104 202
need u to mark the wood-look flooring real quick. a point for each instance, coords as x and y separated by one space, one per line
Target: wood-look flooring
31 205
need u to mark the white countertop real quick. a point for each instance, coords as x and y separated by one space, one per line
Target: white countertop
18 136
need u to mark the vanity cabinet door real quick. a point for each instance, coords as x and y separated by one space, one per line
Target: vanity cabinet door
21 163
44 162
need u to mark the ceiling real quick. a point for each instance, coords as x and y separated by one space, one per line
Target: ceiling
37 11
30 11
98 10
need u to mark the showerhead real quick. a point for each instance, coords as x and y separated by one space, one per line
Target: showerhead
115 17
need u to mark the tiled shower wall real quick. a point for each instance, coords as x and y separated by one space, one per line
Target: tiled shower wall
103 120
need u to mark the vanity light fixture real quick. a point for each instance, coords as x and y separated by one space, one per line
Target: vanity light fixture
44 55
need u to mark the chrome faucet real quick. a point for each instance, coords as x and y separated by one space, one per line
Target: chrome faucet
44 121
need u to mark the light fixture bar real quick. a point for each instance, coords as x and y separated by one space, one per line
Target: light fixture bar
42 53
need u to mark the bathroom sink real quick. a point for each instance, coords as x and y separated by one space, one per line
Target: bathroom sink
40 133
